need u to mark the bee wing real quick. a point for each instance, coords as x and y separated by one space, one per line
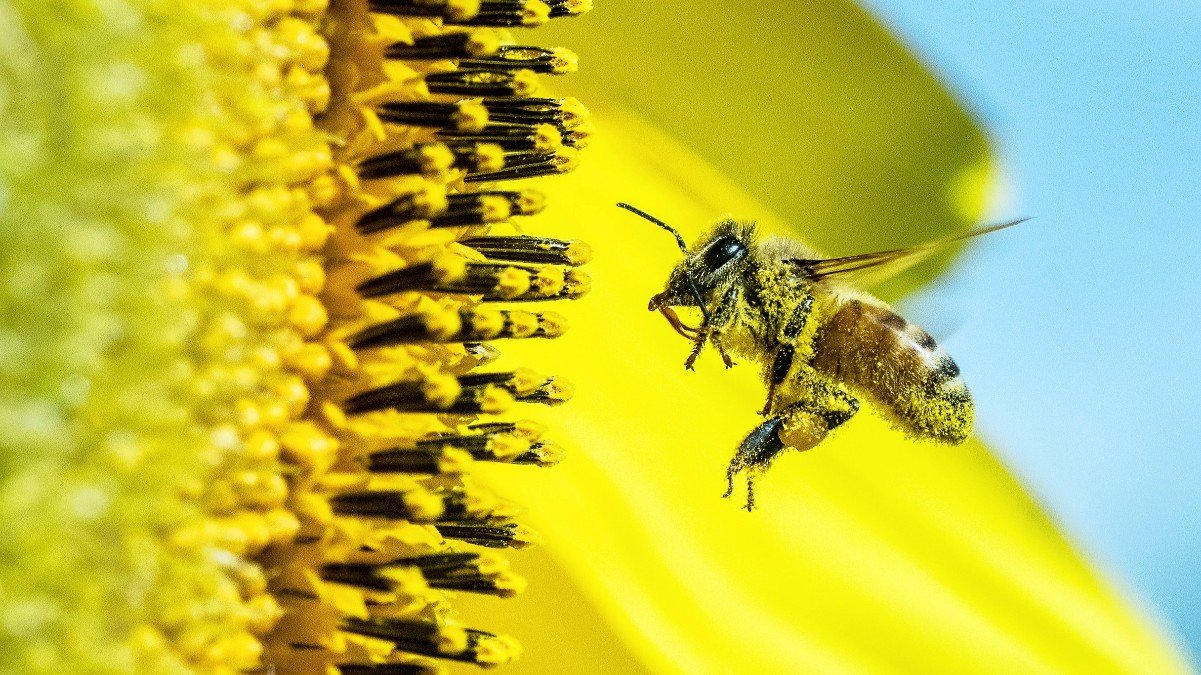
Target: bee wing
867 269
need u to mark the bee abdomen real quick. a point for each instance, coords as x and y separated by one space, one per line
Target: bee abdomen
900 367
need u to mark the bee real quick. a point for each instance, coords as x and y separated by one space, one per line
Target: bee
821 343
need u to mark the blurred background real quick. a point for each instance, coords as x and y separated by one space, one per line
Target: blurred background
1077 331
1081 331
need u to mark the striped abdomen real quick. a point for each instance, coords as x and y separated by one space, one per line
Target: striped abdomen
899 367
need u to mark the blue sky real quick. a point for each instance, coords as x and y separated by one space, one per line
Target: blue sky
1082 331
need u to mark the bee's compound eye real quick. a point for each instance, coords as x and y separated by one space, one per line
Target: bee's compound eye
723 250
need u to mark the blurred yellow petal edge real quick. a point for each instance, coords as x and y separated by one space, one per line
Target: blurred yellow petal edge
816 108
869 554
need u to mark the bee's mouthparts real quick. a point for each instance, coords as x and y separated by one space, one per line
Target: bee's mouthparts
658 301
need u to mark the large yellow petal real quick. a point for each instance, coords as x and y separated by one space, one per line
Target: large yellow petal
812 106
869 554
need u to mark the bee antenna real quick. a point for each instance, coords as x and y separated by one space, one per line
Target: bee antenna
639 212
696 293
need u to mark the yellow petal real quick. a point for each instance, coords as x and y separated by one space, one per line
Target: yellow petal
870 553
813 106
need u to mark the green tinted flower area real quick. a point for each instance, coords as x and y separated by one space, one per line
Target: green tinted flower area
212 458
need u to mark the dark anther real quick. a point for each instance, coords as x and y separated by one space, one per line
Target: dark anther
421 158
376 503
405 461
410 635
449 10
501 446
541 137
523 202
387 669
508 13
417 277
567 113
531 249
408 396
537 59
466 326
518 82
504 535
443 46
560 8
363 576
412 206
529 165
463 116
467 208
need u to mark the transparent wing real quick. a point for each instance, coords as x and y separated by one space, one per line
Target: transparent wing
868 269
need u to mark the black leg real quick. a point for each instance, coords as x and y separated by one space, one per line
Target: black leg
801 426
725 358
780 366
754 456
698 343
710 329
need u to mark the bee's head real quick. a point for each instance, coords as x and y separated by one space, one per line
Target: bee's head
706 269
697 278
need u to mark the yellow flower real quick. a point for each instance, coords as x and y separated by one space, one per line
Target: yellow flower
248 281
249 276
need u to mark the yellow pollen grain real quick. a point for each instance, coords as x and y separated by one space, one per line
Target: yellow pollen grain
483 43
441 390
534 13
423 505
522 324
435 159
564 61
578 252
509 584
512 282
461 10
471 116
448 267
442 325
525 381
581 135
495 209
498 650
487 322
496 400
455 462
452 640
552 324
550 280
489 157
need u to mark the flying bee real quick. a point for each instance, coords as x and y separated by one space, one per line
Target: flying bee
822 344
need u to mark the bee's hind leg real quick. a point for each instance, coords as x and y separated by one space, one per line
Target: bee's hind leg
754 456
798 426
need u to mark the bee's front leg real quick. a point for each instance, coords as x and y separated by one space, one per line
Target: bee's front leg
715 338
698 343
707 335
710 329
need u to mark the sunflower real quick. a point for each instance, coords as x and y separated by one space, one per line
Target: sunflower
282 276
